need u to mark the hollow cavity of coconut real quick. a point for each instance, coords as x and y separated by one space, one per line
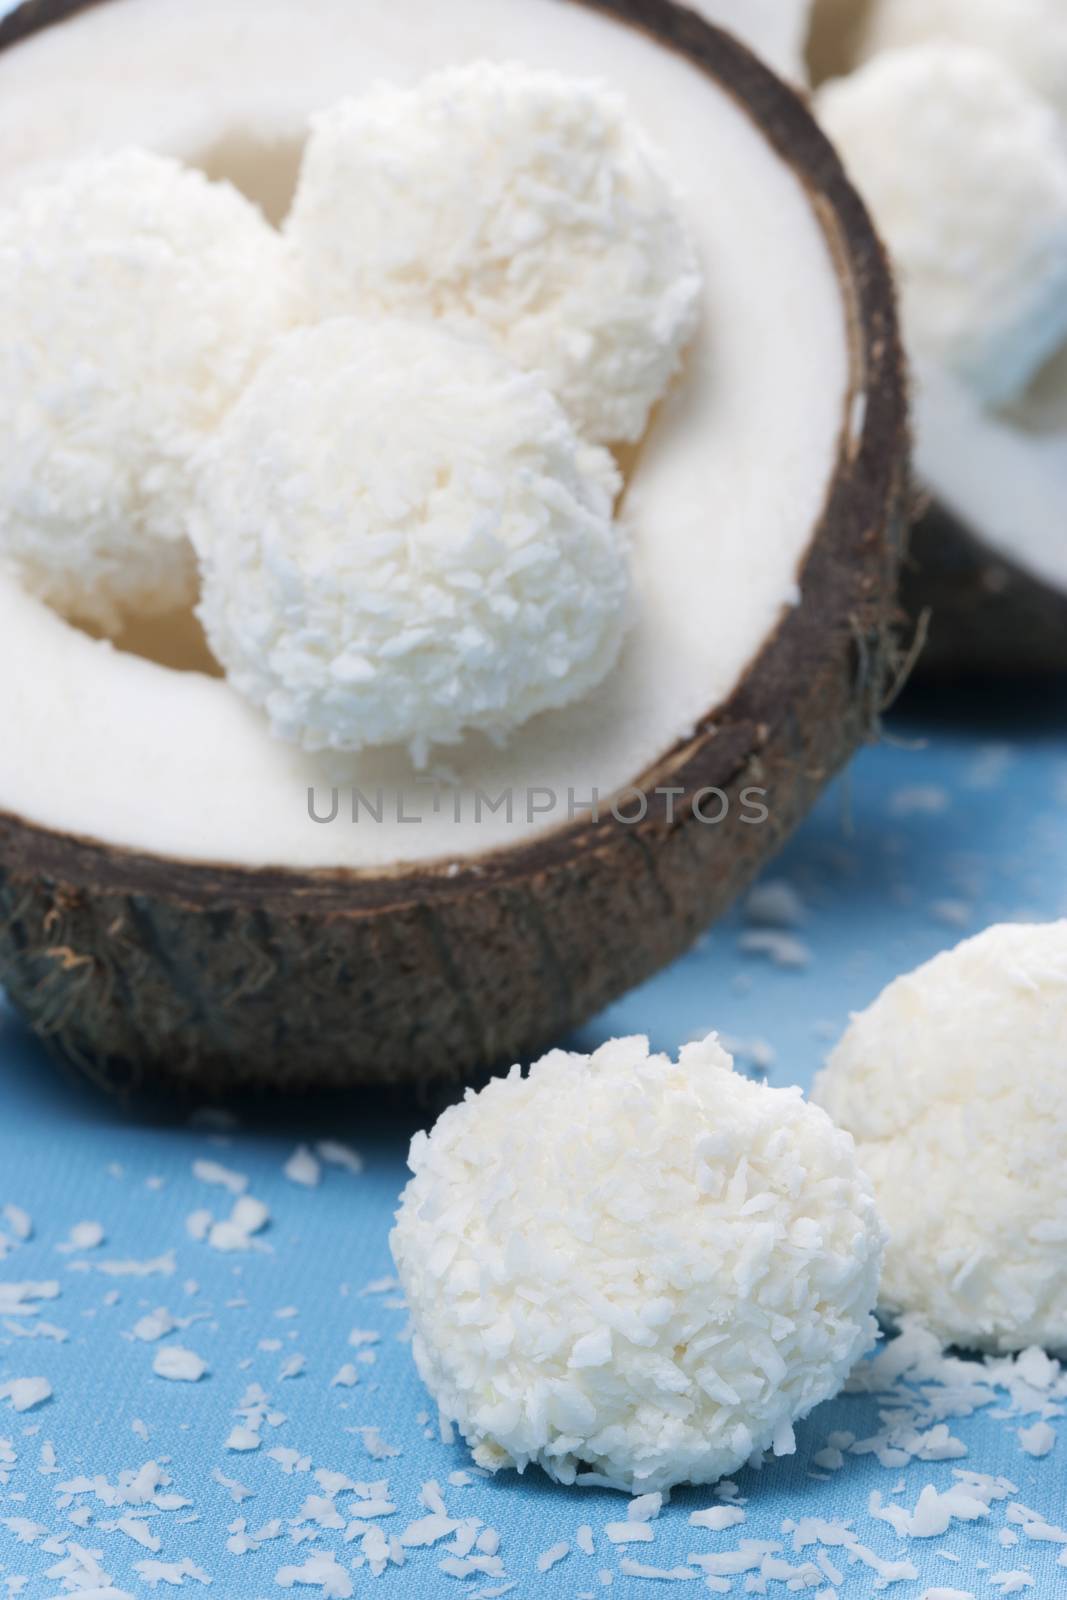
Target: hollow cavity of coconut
635 1272
188 899
951 117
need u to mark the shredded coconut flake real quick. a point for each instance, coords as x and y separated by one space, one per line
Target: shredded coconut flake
302 1168
1038 1439
402 540
213 1172
135 300
965 169
696 1197
83 1236
522 202
173 1361
23 1394
963 1055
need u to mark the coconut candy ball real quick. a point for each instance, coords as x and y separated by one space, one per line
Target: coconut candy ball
525 201
403 539
965 170
135 299
954 1084
1027 36
634 1268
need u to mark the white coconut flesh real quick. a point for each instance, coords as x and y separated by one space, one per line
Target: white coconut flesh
1001 471
1002 476
724 495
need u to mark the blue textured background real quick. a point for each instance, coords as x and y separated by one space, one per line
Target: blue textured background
956 820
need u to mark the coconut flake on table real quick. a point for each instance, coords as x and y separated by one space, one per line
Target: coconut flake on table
23 1299
242 1437
289 1460
403 539
248 1217
933 1513
629 1568
134 1528
321 1510
628 1533
161 1266
553 1556
213 1172
1034 1526
1038 1439
302 1168
80 1571
237 1490
180 1365
23 1394
918 1383
82 1236
25 1530
717 1518
336 1154
381 1285
198 1223
714 1149
373 1443
322 1571
172 1573
783 949
19 1221
774 903
154 1325
428 1530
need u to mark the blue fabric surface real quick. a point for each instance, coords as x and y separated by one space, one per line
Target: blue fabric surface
933 834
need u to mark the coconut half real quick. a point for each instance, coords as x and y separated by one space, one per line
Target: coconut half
186 899
988 557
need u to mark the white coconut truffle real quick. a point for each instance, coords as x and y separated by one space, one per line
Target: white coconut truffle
403 539
633 1268
954 1083
135 299
526 201
965 169
1027 36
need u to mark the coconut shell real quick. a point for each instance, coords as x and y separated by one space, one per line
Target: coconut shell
143 969
983 614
